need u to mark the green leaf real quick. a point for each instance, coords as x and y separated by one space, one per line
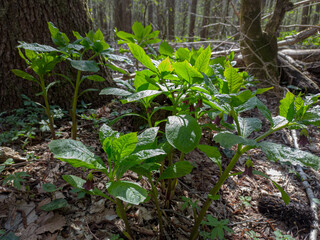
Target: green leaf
114 91
248 125
58 37
142 94
74 181
37 47
24 75
278 152
141 56
234 79
96 78
183 132
286 108
279 122
128 192
128 37
202 62
182 54
285 197
177 170
165 49
55 204
76 154
210 151
49 187
106 132
147 138
187 72
227 140
165 66
85 65
125 145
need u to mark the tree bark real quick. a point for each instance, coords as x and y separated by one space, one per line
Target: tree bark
205 20
122 15
193 11
171 16
305 16
26 20
258 48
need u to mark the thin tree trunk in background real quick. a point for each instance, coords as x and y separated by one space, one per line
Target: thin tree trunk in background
122 15
205 20
305 16
162 24
193 11
185 7
26 20
224 16
150 12
171 16
316 18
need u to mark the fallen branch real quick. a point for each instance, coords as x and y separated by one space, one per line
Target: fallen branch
305 55
306 185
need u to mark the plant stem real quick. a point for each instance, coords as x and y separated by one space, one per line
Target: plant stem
149 120
124 217
195 230
74 107
50 117
154 193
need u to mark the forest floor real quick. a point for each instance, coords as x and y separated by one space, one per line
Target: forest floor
242 199
252 205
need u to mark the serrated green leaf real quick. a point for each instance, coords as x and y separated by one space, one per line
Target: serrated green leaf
55 204
58 37
248 125
234 79
114 91
183 132
278 152
85 65
128 192
187 72
142 57
125 145
182 54
76 154
286 108
147 138
165 66
202 62
227 140
165 49
177 170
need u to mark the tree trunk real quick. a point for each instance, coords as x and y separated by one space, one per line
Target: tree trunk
185 7
26 20
171 15
192 18
316 16
205 20
259 49
122 15
305 16
150 12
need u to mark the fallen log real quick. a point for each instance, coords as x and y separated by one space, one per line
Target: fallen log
305 55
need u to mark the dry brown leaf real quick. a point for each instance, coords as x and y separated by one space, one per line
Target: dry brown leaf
53 224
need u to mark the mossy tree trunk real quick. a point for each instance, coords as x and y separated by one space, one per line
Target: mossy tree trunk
259 48
26 20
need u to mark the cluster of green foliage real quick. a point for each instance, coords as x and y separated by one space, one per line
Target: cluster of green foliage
196 86
85 55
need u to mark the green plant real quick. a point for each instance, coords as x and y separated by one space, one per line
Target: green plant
280 236
123 152
218 228
56 203
253 235
41 61
142 36
16 179
197 85
245 200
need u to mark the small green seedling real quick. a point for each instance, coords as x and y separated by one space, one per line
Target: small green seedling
245 200
280 236
16 179
218 228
